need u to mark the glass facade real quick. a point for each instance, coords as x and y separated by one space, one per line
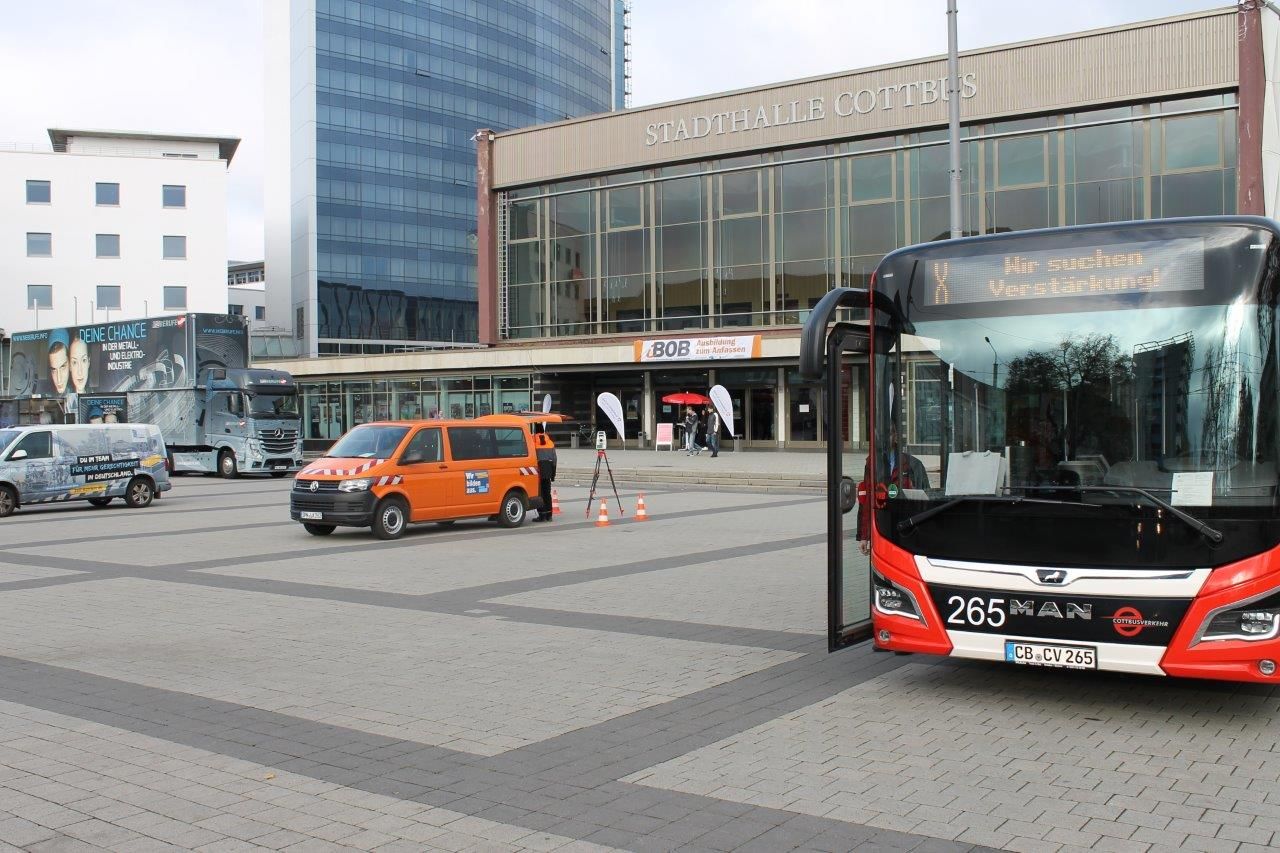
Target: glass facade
333 407
401 88
757 240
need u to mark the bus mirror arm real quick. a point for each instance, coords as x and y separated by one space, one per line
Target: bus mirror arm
813 338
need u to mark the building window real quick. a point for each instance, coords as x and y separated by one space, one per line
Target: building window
39 295
175 298
108 245
109 297
106 195
38 192
39 244
259 312
235 310
175 195
175 246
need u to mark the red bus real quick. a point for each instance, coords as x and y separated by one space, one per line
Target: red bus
1072 450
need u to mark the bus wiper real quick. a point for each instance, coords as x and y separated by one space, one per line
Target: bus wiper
909 524
1213 535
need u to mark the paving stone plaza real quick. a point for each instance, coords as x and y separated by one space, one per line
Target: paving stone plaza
205 675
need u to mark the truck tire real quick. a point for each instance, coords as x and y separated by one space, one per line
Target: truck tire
227 469
99 501
513 511
390 518
318 529
8 501
139 493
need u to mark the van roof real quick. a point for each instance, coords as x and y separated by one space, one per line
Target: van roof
483 420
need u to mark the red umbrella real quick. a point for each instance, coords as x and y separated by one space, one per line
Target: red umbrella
687 398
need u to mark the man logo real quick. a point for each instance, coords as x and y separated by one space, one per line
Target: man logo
1053 576
315 485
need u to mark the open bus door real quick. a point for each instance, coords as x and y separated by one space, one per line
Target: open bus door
823 346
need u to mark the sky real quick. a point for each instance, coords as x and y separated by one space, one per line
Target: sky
192 66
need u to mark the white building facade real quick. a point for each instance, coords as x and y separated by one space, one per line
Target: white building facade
112 225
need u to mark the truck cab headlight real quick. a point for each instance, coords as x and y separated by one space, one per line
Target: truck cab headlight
1253 620
361 484
892 600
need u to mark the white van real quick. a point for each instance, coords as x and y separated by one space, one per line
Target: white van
93 462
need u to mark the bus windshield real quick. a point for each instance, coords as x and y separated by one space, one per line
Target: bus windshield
1057 387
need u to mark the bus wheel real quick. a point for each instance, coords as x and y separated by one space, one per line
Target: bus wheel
390 518
227 469
513 510
318 529
99 501
8 501
139 494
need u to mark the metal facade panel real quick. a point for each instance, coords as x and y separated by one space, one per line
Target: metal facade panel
1142 62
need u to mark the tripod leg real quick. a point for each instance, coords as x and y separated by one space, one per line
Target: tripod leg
609 468
595 478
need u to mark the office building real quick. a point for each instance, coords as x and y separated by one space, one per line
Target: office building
371 171
108 225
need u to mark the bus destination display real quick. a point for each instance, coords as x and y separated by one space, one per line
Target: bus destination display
1111 270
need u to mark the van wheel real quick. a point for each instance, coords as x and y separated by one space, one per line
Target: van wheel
99 501
139 494
318 529
513 510
390 519
8 501
227 469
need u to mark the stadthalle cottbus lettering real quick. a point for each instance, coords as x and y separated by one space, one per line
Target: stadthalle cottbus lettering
859 102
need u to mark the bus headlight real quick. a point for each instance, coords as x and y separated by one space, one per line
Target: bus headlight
1254 620
892 600
359 485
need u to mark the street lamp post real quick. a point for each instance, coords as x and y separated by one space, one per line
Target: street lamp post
995 363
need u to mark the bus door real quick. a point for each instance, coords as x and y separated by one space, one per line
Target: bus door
851 492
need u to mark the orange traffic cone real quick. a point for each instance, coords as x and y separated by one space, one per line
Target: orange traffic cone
555 502
641 514
603 519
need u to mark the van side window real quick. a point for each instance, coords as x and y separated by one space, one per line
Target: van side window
487 443
511 442
39 445
423 447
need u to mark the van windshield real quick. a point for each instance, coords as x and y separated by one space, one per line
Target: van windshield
369 442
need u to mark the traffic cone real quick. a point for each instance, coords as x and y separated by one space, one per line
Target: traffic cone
555 502
603 519
641 513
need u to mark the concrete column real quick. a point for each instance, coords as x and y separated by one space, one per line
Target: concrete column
780 409
1249 117
486 240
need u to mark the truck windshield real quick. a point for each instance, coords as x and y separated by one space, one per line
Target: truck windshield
1057 365
369 442
273 405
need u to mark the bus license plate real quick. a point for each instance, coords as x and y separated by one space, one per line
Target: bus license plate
311 516
1044 654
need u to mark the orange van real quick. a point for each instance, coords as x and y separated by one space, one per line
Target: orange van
387 475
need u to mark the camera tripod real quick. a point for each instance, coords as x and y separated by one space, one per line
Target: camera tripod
595 478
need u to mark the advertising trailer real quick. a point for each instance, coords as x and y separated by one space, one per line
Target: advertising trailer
188 374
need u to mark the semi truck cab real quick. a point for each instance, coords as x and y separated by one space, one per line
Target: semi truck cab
250 423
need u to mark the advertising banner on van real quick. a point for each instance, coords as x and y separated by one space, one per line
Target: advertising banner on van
156 354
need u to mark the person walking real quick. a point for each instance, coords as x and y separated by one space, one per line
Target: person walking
713 432
545 449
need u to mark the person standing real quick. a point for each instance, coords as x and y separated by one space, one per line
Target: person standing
547 459
713 432
690 430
